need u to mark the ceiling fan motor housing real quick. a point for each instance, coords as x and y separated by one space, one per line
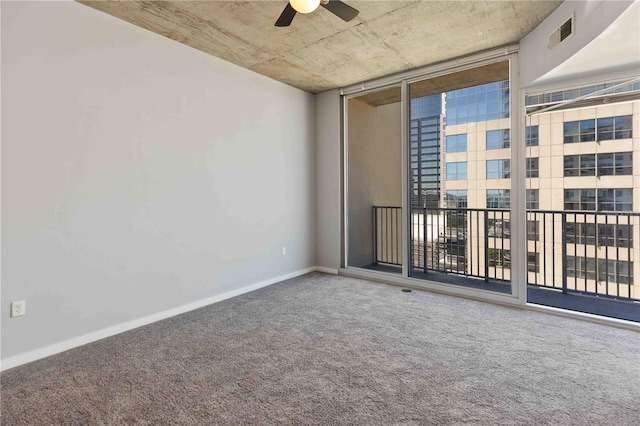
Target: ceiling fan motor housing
337 7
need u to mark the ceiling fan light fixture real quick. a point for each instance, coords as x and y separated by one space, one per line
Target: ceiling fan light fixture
304 6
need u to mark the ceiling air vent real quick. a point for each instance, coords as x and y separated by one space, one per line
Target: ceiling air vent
561 33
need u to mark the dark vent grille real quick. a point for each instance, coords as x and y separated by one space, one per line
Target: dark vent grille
565 29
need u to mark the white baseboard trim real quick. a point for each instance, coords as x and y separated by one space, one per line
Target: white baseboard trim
75 342
326 270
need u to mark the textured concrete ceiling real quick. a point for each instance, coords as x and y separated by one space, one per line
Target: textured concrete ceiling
319 51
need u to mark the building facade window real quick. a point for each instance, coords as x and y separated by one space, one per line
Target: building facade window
499 258
606 128
499 228
533 230
615 235
457 171
615 271
456 143
580 165
581 267
615 199
605 234
533 262
614 128
532 135
425 167
498 169
426 106
615 164
610 164
580 131
498 139
533 199
618 199
498 198
456 198
579 199
580 233
606 270
478 103
532 167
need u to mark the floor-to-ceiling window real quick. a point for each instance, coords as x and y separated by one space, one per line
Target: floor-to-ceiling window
460 179
448 188
583 198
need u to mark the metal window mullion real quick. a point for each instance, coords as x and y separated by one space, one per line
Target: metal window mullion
375 235
586 262
564 254
405 132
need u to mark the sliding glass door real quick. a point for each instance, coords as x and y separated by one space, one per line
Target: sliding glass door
460 178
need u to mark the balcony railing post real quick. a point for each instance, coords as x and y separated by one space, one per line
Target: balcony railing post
486 245
424 239
564 252
375 236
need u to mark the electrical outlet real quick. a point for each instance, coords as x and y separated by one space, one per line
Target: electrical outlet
284 251
18 308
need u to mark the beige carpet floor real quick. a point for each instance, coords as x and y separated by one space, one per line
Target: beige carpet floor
329 350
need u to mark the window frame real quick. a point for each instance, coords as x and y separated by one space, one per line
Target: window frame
457 202
456 144
503 194
503 169
457 173
532 136
533 172
587 130
621 164
502 137
532 202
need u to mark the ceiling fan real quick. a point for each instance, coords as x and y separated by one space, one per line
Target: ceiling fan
338 8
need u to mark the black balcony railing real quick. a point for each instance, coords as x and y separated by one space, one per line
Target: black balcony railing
572 251
584 251
387 235
469 242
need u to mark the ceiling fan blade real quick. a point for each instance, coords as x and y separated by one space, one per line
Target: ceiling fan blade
341 10
286 16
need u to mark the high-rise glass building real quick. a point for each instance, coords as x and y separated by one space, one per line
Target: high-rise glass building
433 137
425 140
478 103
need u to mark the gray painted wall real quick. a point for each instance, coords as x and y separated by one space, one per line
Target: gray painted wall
140 175
328 179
